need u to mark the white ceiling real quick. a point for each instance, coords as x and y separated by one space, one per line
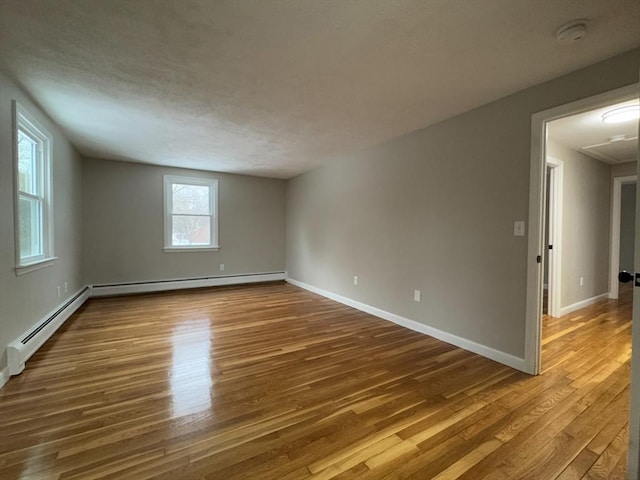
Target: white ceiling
275 87
587 133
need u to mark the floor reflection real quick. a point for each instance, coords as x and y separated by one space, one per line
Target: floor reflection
190 378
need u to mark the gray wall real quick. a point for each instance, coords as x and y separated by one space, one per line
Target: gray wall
123 225
26 299
624 169
434 211
627 226
586 220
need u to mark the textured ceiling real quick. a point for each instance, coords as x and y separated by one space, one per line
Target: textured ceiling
587 133
276 87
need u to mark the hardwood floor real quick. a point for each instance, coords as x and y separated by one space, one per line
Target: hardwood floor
273 382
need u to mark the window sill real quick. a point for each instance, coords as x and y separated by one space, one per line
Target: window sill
33 266
190 249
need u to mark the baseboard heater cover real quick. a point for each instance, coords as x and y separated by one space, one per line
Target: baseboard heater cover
128 288
20 350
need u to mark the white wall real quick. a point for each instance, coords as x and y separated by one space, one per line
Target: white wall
26 299
586 220
434 211
123 234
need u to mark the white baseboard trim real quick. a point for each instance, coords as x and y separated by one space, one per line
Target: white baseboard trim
108 290
488 352
18 352
21 349
583 304
4 376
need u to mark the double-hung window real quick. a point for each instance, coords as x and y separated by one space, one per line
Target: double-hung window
34 222
190 213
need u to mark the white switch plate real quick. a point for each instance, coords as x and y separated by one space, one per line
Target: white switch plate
416 295
355 280
518 228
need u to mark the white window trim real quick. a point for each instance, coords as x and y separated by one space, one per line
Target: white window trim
212 183
22 118
36 265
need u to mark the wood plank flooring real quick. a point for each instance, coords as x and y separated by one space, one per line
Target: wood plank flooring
273 382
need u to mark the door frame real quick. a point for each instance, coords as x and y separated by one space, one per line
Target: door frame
555 194
616 207
537 191
537 187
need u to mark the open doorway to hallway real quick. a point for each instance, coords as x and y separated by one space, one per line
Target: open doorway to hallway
540 151
589 200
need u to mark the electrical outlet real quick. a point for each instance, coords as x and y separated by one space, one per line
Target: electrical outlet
582 281
66 287
355 280
222 267
416 295
58 290
518 228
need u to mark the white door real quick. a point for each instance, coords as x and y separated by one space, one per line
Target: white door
554 233
634 420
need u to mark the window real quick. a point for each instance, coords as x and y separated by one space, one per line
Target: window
34 223
190 213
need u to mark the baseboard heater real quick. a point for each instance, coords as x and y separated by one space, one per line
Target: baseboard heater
20 350
112 289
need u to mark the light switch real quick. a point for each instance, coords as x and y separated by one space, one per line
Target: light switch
518 228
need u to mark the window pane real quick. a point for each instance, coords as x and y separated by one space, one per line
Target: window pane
191 199
27 163
30 227
190 230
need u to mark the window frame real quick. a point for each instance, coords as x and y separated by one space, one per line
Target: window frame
24 122
212 183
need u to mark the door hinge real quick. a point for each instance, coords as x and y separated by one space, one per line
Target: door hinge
539 259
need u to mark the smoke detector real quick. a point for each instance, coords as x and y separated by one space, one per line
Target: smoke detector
572 32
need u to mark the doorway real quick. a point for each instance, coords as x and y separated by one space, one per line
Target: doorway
538 191
622 230
537 243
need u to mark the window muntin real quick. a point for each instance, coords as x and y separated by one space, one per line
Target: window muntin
34 236
190 213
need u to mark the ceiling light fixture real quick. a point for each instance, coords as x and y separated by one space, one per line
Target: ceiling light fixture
572 32
622 114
